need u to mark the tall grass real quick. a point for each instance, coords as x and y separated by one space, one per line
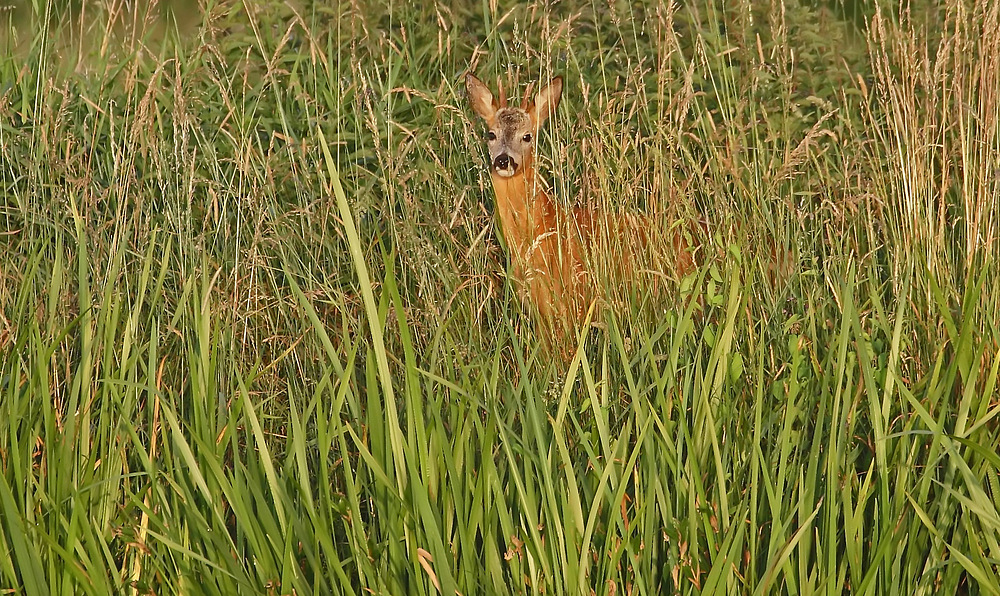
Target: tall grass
256 334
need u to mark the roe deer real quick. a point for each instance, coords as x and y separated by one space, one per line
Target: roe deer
546 241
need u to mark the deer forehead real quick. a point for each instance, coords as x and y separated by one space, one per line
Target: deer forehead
512 119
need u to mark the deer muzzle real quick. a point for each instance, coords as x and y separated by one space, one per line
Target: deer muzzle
504 165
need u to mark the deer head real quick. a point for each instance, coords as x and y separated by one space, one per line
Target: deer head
512 131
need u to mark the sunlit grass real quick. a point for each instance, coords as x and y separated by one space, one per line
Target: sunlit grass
256 334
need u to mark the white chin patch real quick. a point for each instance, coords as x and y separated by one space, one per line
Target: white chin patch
504 173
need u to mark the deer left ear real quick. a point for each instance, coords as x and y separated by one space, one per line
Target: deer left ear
546 101
480 97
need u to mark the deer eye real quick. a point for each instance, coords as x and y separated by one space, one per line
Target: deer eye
526 138
491 135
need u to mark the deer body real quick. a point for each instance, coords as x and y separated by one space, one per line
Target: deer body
547 242
546 246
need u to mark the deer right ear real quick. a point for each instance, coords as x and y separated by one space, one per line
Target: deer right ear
546 101
480 97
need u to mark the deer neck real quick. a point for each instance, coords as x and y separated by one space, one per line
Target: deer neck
521 204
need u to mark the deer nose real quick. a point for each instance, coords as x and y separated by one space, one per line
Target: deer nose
503 161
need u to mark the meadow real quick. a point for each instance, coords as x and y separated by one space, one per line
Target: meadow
257 334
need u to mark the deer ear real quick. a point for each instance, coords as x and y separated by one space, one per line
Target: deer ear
546 101
480 97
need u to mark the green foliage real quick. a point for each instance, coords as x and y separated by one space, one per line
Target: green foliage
256 334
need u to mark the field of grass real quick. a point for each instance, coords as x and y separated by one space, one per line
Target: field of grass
257 337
